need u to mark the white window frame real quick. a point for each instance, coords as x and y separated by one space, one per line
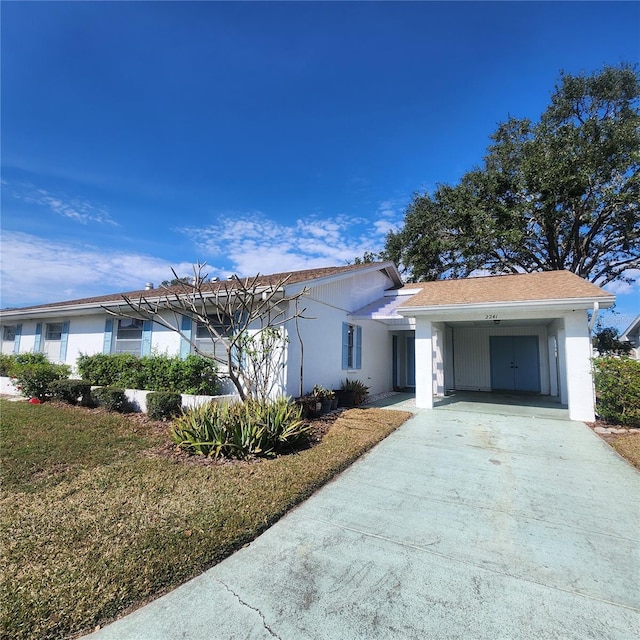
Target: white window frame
124 344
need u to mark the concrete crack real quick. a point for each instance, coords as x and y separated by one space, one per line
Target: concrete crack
246 604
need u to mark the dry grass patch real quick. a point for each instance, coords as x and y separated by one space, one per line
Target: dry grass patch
96 519
628 446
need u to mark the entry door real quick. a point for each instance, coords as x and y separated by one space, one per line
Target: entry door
515 364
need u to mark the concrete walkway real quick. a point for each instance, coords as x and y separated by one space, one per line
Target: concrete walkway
462 524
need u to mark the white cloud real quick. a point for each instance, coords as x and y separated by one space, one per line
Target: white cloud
35 270
74 208
625 288
253 243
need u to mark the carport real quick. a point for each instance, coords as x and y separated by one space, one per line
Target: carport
521 333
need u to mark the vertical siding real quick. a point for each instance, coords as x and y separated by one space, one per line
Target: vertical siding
353 293
472 358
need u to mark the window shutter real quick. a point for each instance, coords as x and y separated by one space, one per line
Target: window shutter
37 343
145 347
108 336
240 319
16 340
64 339
358 347
185 345
345 345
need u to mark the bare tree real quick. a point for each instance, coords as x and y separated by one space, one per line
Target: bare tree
243 319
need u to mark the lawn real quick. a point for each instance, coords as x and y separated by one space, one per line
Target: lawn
97 518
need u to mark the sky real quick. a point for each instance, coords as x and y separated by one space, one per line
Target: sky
258 137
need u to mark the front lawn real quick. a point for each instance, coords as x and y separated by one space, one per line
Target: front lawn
96 518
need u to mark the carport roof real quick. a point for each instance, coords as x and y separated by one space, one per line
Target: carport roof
543 286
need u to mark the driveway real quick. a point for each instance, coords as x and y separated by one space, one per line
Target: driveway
464 523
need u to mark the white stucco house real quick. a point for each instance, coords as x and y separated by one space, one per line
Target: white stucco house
524 333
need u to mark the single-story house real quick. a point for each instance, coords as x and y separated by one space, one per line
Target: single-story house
632 335
523 333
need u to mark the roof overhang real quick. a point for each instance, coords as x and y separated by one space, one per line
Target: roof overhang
504 309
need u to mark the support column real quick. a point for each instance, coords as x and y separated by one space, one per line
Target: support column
579 377
424 363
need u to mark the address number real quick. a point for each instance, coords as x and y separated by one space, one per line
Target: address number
491 316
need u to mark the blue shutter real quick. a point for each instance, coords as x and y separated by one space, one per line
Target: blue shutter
145 347
345 345
16 340
108 336
64 339
185 345
37 342
358 347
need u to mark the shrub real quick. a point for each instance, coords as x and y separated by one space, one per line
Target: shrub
240 430
163 404
359 388
618 390
34 374
106 369
193 374
70 391
6 362
111 399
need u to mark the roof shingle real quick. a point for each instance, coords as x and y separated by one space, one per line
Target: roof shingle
521 287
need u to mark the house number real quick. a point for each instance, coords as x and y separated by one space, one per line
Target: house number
491 316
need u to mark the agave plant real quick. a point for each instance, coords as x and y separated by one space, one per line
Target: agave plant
240 430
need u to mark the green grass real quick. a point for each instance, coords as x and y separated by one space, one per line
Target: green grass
95 521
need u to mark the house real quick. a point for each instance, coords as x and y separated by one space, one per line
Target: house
523 333
632 335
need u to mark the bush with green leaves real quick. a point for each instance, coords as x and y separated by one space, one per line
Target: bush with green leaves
111 399
33 374
6 362
163 404
618 390
192 374
260 428
71 391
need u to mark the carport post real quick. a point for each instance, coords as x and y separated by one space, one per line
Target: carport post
578 363
424 363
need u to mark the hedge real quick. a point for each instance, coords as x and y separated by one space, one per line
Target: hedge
617 383
193 374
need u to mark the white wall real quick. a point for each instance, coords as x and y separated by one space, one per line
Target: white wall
579 377
329 305
322 344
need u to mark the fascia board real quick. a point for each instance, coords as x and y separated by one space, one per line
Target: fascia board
566 304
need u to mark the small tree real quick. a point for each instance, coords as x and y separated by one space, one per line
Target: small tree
607 343
244 319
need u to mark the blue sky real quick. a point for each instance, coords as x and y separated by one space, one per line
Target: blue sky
258 137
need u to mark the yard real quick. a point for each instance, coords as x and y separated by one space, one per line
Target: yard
100 515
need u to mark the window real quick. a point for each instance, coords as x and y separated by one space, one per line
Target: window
9 332
204 341
55 340
54 332
129 336
351 346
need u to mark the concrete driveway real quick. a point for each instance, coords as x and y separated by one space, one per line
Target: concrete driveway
464 523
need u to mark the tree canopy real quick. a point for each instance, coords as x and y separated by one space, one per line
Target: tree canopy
560 193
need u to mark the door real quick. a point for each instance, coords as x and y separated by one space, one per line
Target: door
515 363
